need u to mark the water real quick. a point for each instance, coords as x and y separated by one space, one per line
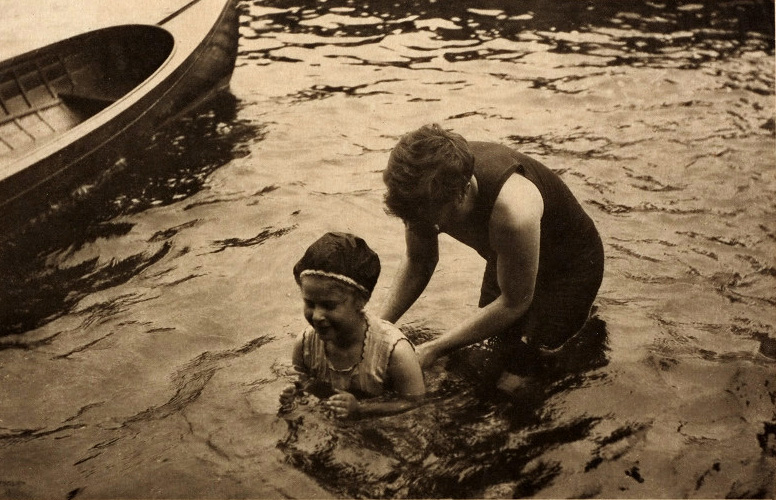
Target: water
146 321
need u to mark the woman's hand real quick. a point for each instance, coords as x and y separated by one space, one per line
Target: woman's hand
426 354
342 405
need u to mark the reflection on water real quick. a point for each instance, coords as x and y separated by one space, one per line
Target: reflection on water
467 441
173 166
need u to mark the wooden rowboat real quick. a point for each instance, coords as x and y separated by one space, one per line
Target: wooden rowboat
68 107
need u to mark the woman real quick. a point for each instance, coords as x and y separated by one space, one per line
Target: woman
544 257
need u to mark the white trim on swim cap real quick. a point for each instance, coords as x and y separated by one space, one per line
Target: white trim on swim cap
339 277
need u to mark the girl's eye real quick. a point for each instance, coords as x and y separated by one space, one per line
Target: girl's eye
323 305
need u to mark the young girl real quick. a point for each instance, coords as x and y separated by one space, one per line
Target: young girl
353 352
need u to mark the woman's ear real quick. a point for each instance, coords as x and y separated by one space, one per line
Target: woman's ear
465 192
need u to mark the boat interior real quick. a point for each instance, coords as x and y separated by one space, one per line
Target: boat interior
49 91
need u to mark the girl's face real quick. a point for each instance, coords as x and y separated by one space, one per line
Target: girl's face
332 308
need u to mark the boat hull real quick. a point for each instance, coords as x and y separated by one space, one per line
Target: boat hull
184 60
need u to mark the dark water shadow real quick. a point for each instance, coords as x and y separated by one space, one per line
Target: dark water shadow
173 166
684 34
467 441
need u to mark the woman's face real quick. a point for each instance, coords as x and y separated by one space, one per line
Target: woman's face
453 214
332 308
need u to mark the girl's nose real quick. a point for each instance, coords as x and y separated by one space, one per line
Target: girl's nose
318 314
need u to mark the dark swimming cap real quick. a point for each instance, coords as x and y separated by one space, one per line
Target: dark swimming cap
344 257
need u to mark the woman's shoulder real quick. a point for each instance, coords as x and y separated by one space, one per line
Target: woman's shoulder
516 216
520 191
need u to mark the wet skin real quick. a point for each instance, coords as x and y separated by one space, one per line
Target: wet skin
336 314
335 311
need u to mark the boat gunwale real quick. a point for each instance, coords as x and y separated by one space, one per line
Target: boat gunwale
130 101
98 119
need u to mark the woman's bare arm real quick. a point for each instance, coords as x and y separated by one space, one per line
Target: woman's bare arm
514 234
414 273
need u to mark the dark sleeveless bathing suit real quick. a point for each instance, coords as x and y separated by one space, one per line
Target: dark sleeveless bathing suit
571 256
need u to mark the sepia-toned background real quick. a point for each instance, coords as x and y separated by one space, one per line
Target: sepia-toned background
146 324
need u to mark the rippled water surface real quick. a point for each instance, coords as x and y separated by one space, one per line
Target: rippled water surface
146 321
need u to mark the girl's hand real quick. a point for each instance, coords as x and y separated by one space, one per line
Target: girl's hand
342 405
288 395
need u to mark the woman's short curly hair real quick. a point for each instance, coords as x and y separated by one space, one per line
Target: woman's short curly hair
427 168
